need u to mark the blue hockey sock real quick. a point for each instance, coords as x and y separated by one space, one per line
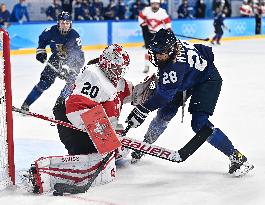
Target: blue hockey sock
221 142
33 95
156 128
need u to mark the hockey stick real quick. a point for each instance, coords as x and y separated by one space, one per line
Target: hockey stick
201 39
150 149
57 70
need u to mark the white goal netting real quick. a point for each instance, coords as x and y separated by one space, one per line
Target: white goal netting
5 154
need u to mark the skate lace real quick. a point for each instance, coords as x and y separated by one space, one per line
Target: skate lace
237 158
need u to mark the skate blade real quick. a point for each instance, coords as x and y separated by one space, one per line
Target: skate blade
243 170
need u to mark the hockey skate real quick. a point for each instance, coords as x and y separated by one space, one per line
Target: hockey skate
28 179
239 165
136 156
25 107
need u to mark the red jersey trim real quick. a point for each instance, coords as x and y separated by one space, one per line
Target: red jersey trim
78 102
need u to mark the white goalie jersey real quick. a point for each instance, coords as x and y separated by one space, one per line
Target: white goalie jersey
93 88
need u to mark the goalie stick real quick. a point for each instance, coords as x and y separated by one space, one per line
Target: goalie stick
150 149
191 37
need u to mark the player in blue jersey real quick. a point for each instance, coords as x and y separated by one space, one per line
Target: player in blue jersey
185 70
218 24
65 62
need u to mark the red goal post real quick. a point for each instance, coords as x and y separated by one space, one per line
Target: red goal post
7 165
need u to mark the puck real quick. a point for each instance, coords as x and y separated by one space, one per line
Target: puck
56 193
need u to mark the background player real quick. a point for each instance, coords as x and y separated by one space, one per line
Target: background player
65 62
218 24
151 20
185 70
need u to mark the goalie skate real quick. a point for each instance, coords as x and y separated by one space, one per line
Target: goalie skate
136 156
28 179
239 165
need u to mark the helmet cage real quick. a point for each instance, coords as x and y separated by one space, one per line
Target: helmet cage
114 62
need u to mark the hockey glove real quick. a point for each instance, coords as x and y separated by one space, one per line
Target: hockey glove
137 116
41 55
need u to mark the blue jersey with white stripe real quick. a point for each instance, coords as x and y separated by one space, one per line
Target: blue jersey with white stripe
192 66
60 43
219 20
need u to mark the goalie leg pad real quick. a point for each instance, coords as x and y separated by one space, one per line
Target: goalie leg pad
72 170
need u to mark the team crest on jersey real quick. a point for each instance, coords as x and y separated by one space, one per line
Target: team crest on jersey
100 128
61 51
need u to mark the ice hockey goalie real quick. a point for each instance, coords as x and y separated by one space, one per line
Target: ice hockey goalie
100 83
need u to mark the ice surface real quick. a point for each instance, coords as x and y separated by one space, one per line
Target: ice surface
201 180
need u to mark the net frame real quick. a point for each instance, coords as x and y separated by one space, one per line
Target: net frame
7 165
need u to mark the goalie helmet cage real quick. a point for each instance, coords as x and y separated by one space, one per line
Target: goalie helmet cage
7 166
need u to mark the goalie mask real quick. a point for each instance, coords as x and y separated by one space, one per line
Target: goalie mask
163 43
114 62
64 22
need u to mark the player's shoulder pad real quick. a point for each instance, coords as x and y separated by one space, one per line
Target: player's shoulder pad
47 29
205 51
183 43
87 73
147 9
54 27
74 33
96 77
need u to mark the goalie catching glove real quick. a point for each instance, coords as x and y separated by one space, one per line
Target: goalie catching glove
137 116
143 91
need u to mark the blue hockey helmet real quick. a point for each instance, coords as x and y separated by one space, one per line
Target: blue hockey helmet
64 22
163 43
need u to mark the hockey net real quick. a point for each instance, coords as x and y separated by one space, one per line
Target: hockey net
7 167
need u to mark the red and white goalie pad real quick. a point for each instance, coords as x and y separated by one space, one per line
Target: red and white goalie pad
72 170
